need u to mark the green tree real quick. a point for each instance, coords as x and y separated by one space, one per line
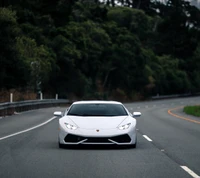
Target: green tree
178 25
38 61
12 66
170 79
193 67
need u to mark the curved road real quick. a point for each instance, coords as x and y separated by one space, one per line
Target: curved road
168 146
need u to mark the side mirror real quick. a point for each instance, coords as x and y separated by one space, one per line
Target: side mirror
58 113
136 114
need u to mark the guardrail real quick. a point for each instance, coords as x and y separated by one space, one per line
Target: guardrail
157 97
10 108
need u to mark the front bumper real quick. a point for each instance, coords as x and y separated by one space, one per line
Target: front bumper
94 137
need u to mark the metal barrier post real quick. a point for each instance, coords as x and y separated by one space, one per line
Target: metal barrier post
11 97
41 96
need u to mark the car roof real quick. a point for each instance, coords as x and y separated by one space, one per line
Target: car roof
96 102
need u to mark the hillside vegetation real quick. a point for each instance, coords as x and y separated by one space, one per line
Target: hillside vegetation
192 110
98 49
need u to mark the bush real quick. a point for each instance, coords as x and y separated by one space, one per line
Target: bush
192 110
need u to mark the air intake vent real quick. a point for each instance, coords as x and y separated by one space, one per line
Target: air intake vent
121 139
73 138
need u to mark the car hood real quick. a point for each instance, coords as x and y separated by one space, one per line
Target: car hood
96 122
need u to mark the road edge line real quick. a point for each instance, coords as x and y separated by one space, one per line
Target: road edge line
27 130
181 117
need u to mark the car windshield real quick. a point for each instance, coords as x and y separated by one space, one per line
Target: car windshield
97 110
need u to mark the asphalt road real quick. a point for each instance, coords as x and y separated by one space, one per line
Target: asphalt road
168 146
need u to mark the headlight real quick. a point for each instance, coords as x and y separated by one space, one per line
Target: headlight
70 126
123 127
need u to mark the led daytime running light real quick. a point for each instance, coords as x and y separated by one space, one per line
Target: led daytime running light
70 126
123 127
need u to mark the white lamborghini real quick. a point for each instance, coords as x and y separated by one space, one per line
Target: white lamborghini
97 122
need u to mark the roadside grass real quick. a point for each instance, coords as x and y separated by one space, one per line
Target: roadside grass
192 110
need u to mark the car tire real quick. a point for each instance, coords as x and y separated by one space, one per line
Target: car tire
61 145
134 145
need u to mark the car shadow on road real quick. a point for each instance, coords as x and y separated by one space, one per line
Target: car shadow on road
96 147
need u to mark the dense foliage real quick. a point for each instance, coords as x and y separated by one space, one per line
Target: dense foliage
100 49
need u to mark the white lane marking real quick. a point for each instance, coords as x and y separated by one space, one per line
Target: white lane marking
145 136
189 171
27 130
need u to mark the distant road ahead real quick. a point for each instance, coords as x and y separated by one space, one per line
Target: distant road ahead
168 146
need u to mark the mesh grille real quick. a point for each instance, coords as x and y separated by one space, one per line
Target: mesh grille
98 140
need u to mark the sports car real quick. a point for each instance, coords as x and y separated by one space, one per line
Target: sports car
97 122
